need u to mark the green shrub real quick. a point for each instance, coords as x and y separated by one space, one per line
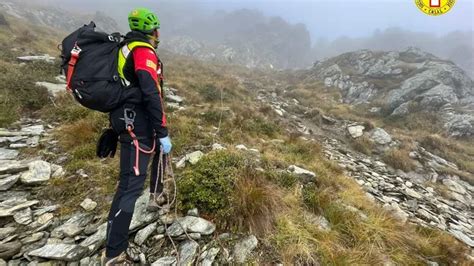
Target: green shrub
208 184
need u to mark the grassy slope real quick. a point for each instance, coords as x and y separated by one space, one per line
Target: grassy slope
270 204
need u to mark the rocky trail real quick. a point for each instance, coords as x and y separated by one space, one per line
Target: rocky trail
411 197
32 233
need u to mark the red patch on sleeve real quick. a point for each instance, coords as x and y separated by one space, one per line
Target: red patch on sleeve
145 59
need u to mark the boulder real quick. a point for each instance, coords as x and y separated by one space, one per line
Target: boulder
194 157
12 167
73 226
7 181
10 249
7 154
380 136
34 130
88 204
39 172
356 131
305 175
192 225
187 252
95 241
23 216
29 58
8 208
244 248
144 233
64 252
208 256
165 261
174 98
53 88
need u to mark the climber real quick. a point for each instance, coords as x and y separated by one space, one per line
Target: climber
141 125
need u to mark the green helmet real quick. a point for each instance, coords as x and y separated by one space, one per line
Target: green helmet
143 19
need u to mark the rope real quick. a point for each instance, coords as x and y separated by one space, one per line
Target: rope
167 171
220 115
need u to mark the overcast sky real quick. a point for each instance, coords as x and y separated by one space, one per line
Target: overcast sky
323 18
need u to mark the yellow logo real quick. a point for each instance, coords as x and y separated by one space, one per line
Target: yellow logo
135 13
150 64
435 7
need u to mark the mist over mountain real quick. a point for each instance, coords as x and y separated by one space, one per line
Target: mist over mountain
250 34
456 46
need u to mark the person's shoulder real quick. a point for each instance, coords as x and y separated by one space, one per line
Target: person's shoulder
144 51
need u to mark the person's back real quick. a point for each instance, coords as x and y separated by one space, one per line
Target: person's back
140 121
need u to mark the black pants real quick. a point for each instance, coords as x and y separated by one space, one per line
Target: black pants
130 186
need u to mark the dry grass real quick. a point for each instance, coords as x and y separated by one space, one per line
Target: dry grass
363 144
256 203
399 159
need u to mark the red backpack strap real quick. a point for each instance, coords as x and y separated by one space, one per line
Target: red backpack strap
72 64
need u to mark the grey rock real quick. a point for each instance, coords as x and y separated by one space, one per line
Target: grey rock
194 236
194 157
217 147
8 208
174 98
35 130
241 147
144 233
305 175
193 212
73 226
141 216
396 211
187 252
65 252
380 136
45 218
462 237
207 257
88 204
7 181
412 193
6 232
165 261
23 216
86 261
192 225
7 154
10 249
53 88
95 241
28 58
460 125
12 167
244 248
356 131
32 238
39 172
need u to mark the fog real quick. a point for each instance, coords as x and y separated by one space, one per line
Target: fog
315 29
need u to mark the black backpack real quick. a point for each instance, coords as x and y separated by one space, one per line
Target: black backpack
89 61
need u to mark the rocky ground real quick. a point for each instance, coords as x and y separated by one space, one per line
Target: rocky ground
412 197
403 82
32 233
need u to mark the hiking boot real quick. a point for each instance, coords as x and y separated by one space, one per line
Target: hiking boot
155 203
123 260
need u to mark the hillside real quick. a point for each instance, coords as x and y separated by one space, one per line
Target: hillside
279 168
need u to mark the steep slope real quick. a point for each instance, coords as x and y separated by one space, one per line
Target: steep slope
55 17
402 83
271 184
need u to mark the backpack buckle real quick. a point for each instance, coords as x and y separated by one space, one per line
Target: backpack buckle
129 118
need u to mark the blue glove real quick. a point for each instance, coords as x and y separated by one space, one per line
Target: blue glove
166 144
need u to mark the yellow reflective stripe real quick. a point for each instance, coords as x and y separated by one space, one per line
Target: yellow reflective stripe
125 52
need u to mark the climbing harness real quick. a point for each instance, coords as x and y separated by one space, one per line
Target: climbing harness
129 117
